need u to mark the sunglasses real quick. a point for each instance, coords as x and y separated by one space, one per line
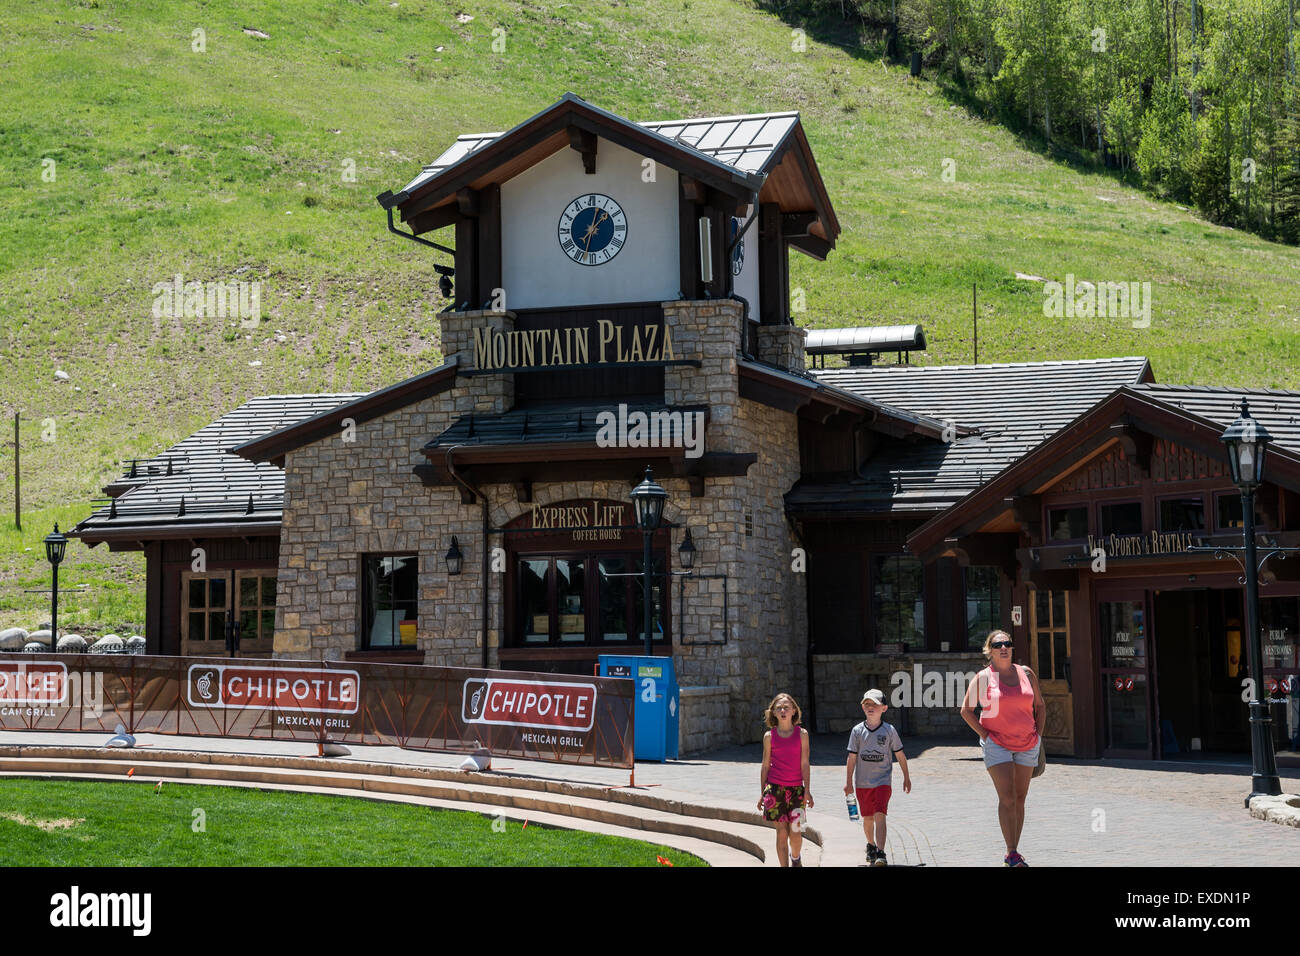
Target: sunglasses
998 645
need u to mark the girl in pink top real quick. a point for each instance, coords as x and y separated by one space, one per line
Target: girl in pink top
1010 721
785 780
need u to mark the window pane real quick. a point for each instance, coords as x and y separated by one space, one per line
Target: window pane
534 582
983 604
217 626
198 591
268 624
196 626
613 599
391 587
1058 609
1060 657
1067 524
217 592
247 592
899 599
1123 518
268 590
1045 654
1042 608
570 592
1182 514
248 625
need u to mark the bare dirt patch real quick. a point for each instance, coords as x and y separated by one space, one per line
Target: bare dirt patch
49 826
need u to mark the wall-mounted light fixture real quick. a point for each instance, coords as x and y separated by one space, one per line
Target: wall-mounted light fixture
455 559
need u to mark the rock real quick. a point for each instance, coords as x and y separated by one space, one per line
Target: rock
72 644
40 637
256 34
135 644
479 760
35 648
331 749
61 376
13 639
110 644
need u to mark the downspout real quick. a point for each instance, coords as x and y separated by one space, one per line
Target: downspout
483 544
731 277
388 200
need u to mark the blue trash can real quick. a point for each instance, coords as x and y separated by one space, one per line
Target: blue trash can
657 703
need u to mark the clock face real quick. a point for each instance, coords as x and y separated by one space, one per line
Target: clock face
592 229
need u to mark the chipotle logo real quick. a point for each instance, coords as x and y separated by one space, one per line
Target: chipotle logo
529 704
23 682
301 689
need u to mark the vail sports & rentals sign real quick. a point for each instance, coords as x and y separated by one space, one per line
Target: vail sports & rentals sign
512 713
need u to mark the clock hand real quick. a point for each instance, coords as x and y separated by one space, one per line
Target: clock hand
591 230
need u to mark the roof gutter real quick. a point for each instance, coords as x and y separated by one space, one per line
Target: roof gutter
389 200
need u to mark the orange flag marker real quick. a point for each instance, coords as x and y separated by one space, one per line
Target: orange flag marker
661 861
131 772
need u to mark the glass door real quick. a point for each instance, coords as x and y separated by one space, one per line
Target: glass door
1126 708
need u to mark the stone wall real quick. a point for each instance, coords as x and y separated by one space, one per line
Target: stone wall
704 719
924 703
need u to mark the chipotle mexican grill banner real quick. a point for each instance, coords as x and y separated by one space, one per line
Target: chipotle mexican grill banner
559 718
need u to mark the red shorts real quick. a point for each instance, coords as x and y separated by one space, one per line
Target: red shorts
873 800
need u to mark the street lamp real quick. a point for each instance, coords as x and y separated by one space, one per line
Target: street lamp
1247 441
648 499
686 553
55 546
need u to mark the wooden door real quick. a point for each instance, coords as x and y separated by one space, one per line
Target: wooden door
243 599
1049 656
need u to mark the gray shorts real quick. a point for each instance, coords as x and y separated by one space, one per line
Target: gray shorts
995 753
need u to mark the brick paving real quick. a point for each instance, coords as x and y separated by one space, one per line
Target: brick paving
1079 813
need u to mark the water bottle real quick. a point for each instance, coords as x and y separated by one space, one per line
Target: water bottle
852 801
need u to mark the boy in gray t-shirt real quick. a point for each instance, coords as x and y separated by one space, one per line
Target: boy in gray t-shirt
873 747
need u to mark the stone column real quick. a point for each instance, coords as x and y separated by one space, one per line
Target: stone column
486 394
782 346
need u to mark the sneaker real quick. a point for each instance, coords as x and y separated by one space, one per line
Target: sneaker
880 859
872 853
795 862
1014 859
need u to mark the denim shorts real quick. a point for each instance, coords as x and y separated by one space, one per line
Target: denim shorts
995 753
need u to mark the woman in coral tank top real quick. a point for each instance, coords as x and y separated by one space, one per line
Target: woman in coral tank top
1010 723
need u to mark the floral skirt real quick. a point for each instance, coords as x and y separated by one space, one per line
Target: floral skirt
781 802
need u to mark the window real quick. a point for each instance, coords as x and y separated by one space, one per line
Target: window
585 599
1227 512
1182 514
1123 518
1051 650
1067 524
389 600
207 602
256 610
898 601
983 604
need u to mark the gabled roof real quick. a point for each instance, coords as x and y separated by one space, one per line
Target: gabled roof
362 408
766 153
215 486
1192 416
995 414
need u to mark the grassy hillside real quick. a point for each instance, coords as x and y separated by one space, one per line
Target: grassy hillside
231 163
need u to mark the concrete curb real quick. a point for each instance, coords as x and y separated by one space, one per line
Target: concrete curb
564 803
1283 809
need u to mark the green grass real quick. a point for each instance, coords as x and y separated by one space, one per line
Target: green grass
229 164
76 823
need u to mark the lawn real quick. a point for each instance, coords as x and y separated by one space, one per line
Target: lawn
82 823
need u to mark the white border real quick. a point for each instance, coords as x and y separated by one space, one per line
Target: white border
220 669
595 695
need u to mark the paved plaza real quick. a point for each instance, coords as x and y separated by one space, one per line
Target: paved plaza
1079 813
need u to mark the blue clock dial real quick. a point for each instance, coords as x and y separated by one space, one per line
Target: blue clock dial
592 229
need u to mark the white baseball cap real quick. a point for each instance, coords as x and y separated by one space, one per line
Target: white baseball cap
875 696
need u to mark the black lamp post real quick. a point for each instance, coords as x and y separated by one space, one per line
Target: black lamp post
1247 441
648 499
55 546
